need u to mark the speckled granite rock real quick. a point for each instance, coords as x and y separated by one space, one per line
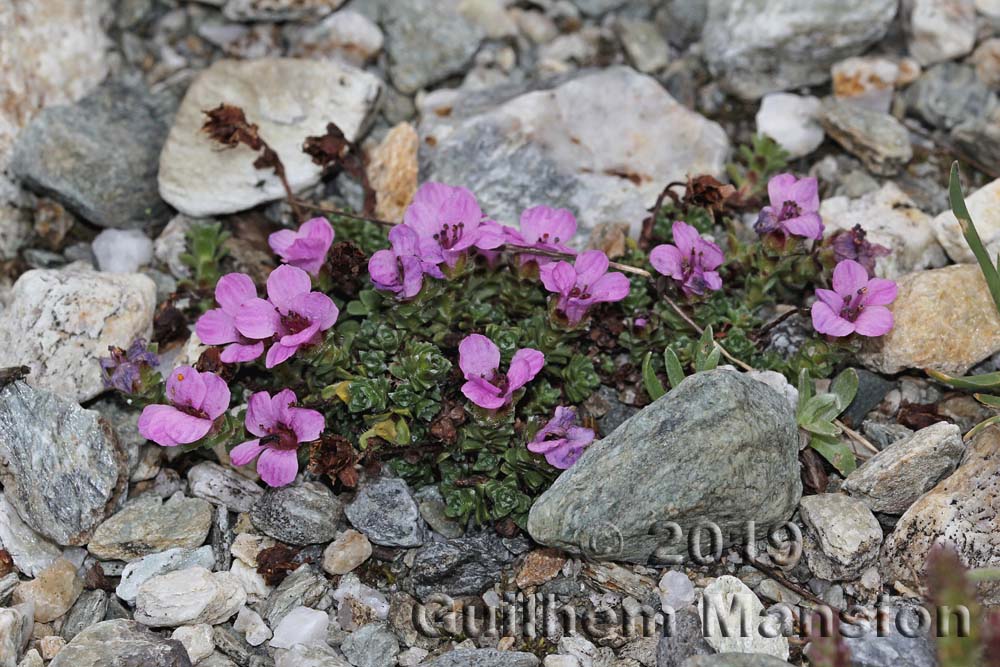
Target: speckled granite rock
305 513
124 643
62 467
720 447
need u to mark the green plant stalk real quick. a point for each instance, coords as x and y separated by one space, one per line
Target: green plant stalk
971 235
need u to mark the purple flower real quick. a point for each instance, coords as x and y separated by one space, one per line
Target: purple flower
855 305
122 369
400 269
305 248
691 262
196 401
218 326
544 228
852 244
449 222
794 208
293 313
486 386
583 283
280 429
560 440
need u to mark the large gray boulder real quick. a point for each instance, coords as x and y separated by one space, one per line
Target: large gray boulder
720 448
123 644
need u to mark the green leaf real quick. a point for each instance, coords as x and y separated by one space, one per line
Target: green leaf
971 235
820 408
712 360
845 388
987 399
821 427
806 389
675 372
653 385
986 381
838 453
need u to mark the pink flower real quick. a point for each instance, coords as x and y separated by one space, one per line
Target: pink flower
400 269
449 222
218 326
544 228
560 440
794 208
305 248
583 283
691 262
197 400
852 244
486 386
293 313
280 429
855 305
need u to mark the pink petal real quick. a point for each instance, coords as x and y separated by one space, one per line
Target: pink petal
873 321
590 266
238 353
830 298
558 277
261 416
880 292
807 225
404 240
710 255
383 269
579 436
713 280
564 457
282 405
575 310
542 446
216 327
849 277
478 356
277 354
666 259
413 276
278 468
779 189
524 366
186 387
686 237
610 287
232 290
281 240
307 424
317 307
304 337
168 426
490 235
284 284
217 396
805 193
245 452
257 319
825 321
483 394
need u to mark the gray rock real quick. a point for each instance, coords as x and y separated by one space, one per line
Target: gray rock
289 100
373 645
139 571
463 566
117 132
279 10
896 477
302 655
877 139
952 512
188 597
644 44
221 537
223 486
384 510
430 502
63 468
721 604
302 588
720 447
121 643
872 388
60 322
305 513
735 660
842 536
683 641
88 610
485 657
949 94
760 46
550 145
427 41
872 650
597 7
31 552
147 525
15 629
940 30
882 434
